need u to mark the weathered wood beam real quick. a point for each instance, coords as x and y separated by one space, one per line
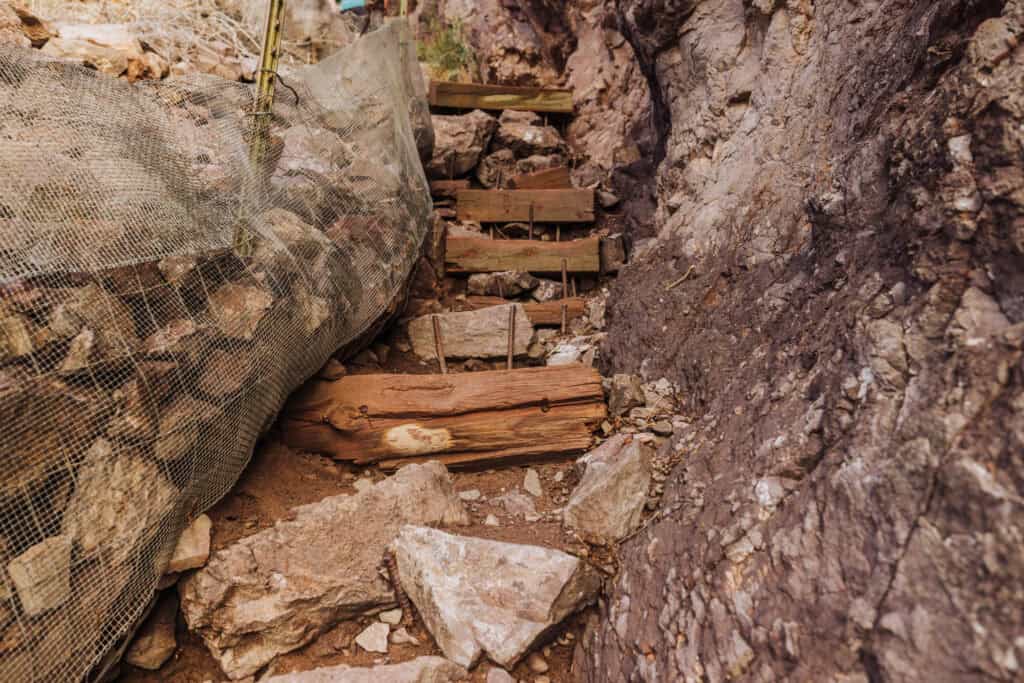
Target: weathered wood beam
479 96
468 417
506 206
481 255
548 179
447 188
541 314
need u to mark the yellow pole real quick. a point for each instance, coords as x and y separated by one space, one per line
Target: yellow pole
265 81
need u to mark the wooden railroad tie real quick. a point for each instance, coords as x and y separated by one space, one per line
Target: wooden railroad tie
541 314
548 179
460 419
479 96
482 255
506 206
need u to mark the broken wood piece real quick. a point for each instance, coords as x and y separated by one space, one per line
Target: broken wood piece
461 419
506 206
541 314
447 189
511 335
477 255
479 96
548 179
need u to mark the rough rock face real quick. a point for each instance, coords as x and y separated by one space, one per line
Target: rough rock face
845 180
276 590
478 596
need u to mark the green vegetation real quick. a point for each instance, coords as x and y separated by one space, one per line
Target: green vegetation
446 52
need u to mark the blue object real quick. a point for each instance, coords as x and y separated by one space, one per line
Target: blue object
351 4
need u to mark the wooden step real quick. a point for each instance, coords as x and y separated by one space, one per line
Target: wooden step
541 314
482 255
548 179
447 188
506 206
460 419
479 96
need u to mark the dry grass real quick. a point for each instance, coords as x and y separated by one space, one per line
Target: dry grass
173 27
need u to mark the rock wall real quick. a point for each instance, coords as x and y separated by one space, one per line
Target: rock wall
841 183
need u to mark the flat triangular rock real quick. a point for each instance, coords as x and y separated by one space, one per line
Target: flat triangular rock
478 596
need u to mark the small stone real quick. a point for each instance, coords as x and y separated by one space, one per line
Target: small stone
496 675
155 642
403 346
391 616
362 484
542 679
193 549
470 495
374 638
536 663
366 357
559 476
491 521
607 199
662 428
532 483
626 392
402 636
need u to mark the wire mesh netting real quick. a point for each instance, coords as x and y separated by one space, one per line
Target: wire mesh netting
142 352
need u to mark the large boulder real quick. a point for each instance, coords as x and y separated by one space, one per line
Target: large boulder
482 597
113 49
459 142
419 670
608 503
277 590
472 334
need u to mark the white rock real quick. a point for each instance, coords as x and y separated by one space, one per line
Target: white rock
531 483
569 352
401 636
547 290
391 616
419 670
608 503
42 575
374 638
470 495
491 520
536 663
517 504
453 582
278 589
496 675
362 484
193 547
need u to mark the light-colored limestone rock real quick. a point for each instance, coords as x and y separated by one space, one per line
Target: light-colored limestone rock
608 503
482 597
472 334
193 547
276 590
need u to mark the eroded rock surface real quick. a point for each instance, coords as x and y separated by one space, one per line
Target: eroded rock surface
482 597
276 590
848 503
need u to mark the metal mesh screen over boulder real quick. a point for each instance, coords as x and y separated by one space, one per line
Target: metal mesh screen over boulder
160 296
